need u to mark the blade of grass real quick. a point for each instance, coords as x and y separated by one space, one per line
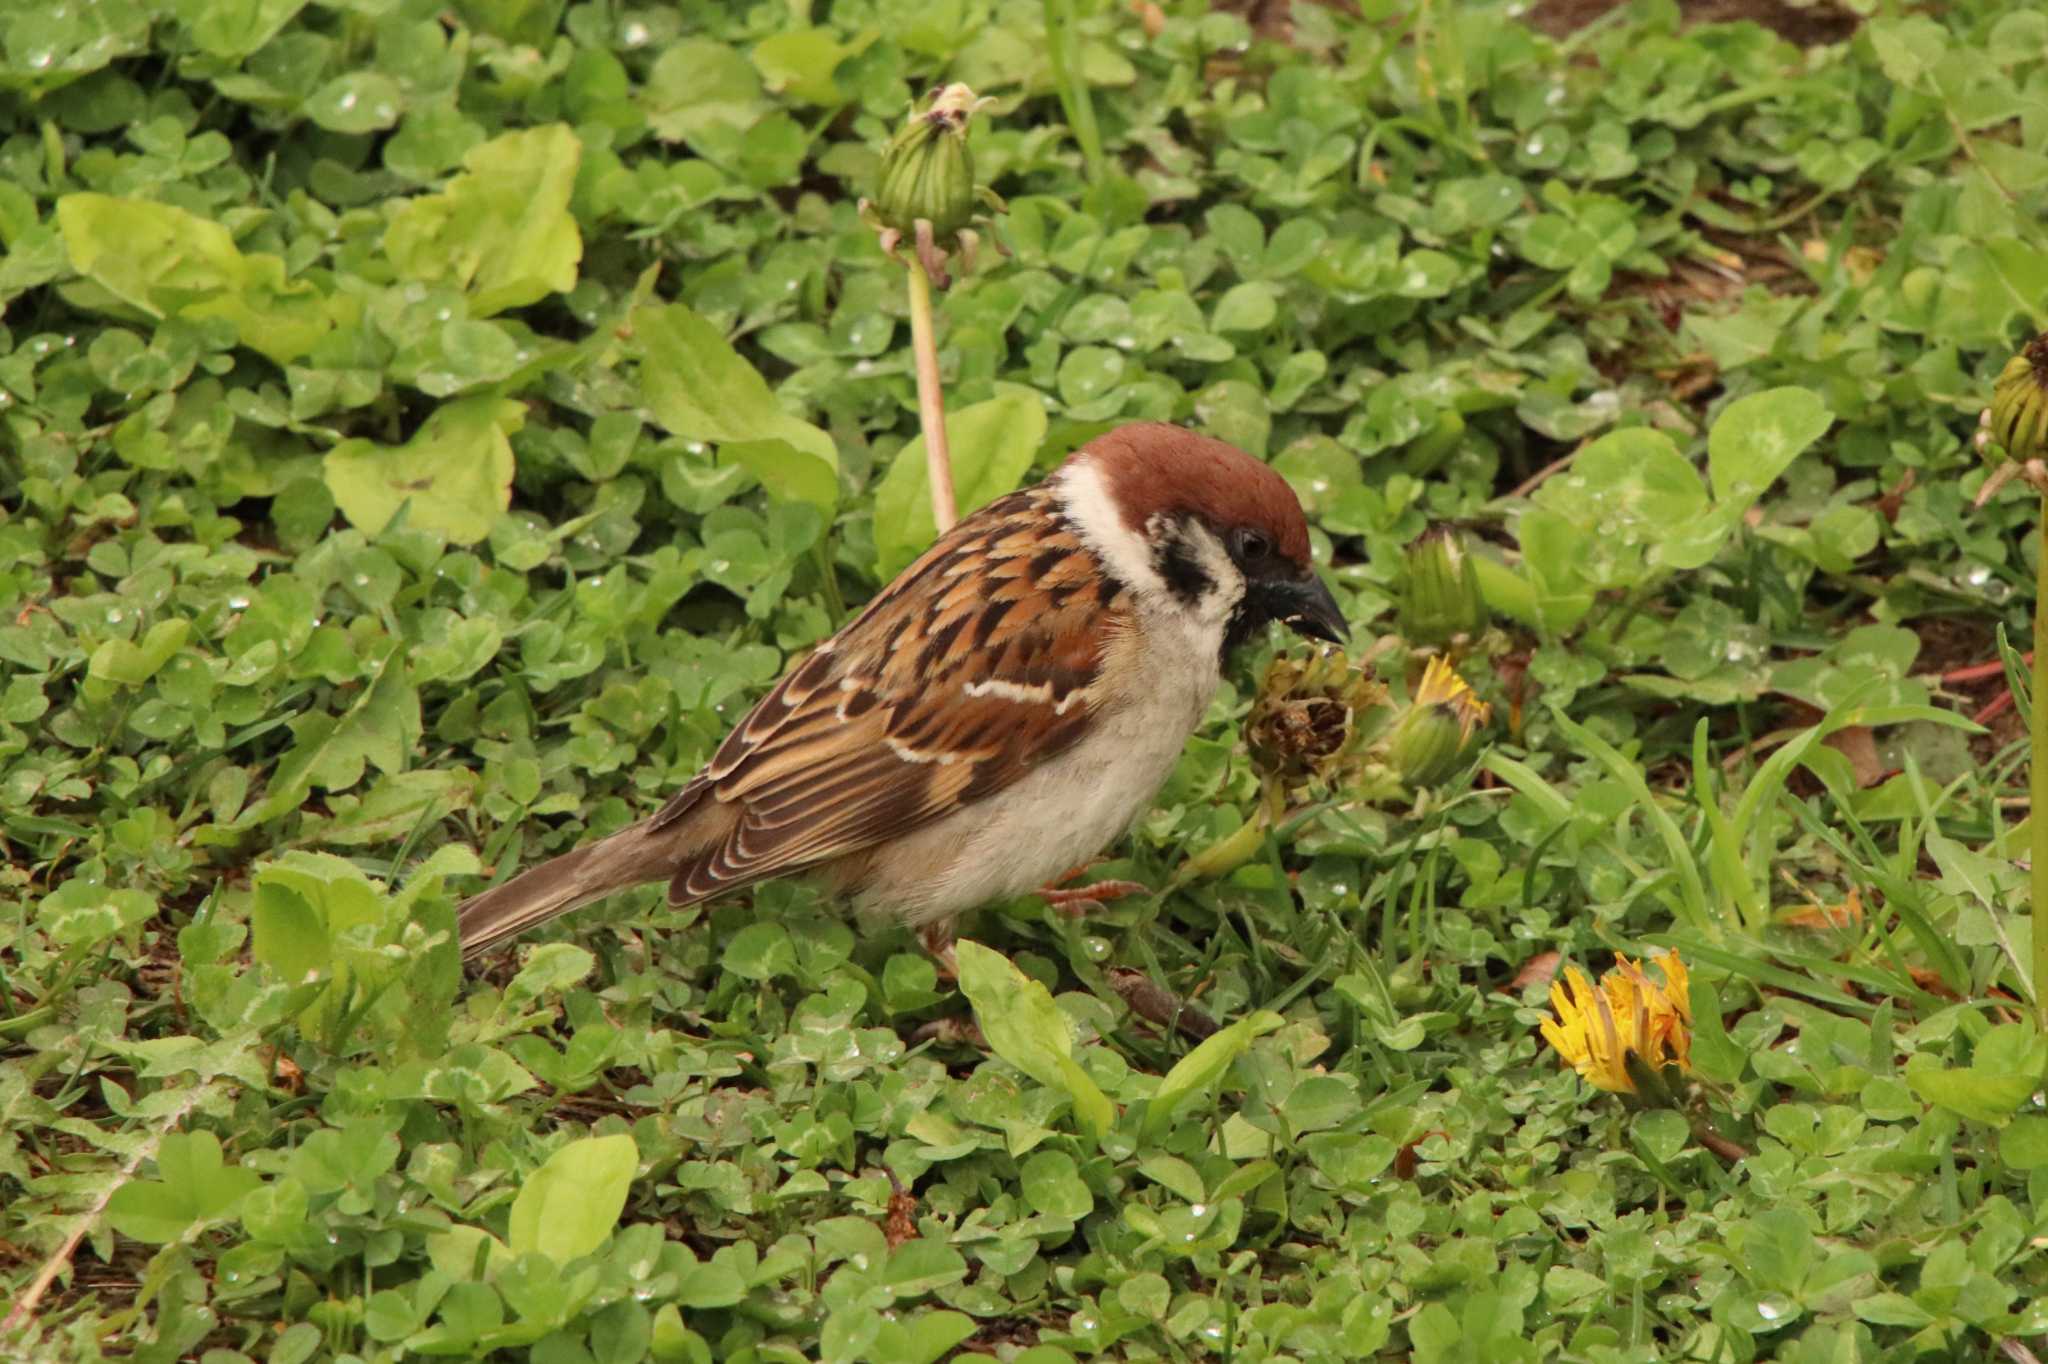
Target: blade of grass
1725 846
1063 50
1693 889
1747 965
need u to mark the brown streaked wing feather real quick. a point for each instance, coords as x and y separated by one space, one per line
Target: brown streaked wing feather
878 732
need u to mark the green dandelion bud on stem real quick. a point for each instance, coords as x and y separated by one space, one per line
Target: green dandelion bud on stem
2017 419
1441 604
1431 736
925 191
927 169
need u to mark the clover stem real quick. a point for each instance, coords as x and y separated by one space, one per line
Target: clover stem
931 404
2037 817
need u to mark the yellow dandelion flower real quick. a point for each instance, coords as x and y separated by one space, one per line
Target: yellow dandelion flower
1597 1030
1433 733
1441 686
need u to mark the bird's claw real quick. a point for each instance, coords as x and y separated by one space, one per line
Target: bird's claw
1076 901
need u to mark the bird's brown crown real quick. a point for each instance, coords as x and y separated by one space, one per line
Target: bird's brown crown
1154 467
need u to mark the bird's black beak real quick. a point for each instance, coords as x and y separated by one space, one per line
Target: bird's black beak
1306 607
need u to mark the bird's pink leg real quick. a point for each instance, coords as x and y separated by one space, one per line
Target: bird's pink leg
1076 901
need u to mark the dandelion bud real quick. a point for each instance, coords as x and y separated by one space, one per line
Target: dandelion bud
1431 736
927 170
1440 599
2017 420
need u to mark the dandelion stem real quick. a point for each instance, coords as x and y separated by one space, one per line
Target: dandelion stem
931 404
2037 817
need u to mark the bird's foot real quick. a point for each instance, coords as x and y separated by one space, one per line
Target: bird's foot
1076 901
938 940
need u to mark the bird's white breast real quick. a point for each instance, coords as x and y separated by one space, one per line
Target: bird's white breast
1074 804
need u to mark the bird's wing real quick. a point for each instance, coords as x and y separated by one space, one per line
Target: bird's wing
984 659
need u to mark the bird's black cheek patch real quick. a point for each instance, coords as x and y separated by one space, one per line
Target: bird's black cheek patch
1181 571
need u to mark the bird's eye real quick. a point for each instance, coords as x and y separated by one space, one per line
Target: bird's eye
1253 546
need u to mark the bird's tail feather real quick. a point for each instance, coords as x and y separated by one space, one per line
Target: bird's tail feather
561 884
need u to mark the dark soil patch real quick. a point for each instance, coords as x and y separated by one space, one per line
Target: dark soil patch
1808 25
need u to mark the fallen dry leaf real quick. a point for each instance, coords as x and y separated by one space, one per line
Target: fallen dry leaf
1859 746
1540 969
1847 914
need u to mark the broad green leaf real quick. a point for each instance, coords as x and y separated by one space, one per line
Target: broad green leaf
1052 1184
84 910
700 388
1908 48
501 231
993 445
454 476
1247 307
392 807
195 1189
1757 437
1202 1069
1980 1093
168 262
378 729
921 1338
288 932
454 1252
787 472
1026 1028
117 660
699 87
235 28
2024 1144
1635 507
47 46
570 1204
356 102
548 970
760 951
799 62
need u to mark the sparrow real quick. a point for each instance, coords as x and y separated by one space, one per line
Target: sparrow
1003 710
